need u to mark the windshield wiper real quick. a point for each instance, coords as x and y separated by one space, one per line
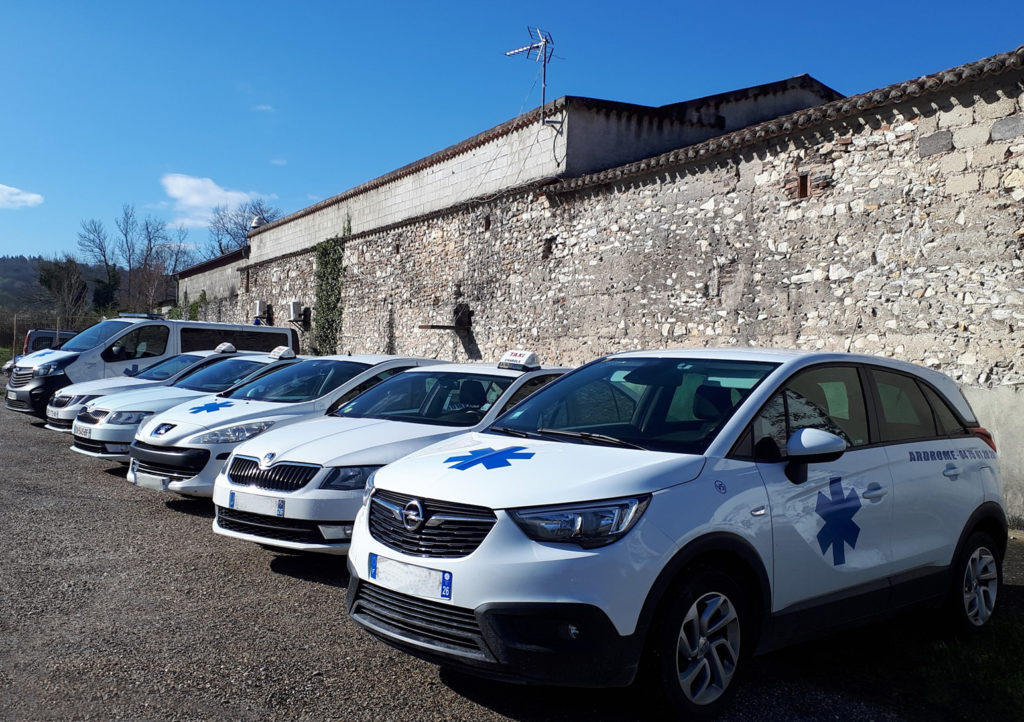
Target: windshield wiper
588 436
510 432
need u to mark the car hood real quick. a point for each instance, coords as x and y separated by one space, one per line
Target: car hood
104 387
503 471
215 412
156 399
336 441
45 356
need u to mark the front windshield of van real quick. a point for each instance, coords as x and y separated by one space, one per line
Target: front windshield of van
219 376
300 382
163 370
659 404
429 397
94 335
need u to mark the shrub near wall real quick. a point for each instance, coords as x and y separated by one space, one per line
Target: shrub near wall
327 311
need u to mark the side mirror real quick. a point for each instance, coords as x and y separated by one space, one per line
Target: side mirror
811 446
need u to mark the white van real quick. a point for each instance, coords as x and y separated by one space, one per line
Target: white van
122 345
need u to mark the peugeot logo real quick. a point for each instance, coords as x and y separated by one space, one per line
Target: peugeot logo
162 429
412 516
267 460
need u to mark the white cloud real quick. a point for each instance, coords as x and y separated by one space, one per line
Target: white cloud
264 108
278 161
195 198
17 198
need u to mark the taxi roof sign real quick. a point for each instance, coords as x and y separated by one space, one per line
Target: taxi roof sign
282 352
519 361
225 348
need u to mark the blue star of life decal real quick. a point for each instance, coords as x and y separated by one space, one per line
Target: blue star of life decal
211 407
489 458
837 511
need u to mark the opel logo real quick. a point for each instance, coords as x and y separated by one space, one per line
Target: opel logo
267 460
412 516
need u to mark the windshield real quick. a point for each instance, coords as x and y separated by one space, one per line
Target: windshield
163 370
94 335
443 398
219 376
661 404
301 382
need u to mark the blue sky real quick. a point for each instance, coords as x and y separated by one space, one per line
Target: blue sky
178 106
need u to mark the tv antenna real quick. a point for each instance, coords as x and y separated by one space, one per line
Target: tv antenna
542 51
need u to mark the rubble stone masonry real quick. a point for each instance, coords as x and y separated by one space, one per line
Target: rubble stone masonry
897 231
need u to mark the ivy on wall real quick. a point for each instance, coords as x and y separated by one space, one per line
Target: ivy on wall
330 255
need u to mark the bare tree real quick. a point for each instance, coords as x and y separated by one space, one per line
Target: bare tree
95 245
229 227
68 292
151 263
128 245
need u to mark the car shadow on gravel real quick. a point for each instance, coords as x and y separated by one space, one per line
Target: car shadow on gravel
202 508
319 568
120 471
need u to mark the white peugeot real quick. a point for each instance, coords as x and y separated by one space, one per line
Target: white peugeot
105 427
65 405
691 507
299 488
182 449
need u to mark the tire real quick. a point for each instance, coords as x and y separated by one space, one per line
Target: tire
977 576
698 644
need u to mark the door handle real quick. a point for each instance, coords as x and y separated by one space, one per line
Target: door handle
874 492
951 472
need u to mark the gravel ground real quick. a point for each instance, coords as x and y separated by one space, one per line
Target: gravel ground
120 603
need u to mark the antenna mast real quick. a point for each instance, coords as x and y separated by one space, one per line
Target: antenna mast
542 50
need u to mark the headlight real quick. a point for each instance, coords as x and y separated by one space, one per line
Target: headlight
50 369
128 418
233 434
589 525
347 478
368 491
76 400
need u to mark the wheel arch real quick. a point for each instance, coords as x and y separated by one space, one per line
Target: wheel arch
991 519
722 550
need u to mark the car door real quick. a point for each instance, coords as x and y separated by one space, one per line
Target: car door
831 519
936 466
137 348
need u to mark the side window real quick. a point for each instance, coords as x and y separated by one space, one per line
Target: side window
905 413
947 421
365 386
201 339
528 387
829 398
152 341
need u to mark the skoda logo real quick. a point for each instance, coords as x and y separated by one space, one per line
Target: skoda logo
267 460
412 515
162 429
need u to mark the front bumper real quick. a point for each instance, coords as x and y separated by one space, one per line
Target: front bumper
188 471
548 643
32 395
63 418
103 441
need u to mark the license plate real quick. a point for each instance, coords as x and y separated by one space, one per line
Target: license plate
256 504
150 481
411 579
84 431
12 396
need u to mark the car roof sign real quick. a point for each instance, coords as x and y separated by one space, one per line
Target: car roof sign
518 360
225 348
282 352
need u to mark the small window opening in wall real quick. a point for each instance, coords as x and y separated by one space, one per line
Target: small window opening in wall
549 247
487 222
804 186
398 249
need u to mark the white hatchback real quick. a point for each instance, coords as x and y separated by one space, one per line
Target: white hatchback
690 506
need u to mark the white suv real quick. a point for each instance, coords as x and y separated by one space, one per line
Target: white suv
686 509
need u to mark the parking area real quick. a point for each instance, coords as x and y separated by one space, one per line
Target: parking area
120 603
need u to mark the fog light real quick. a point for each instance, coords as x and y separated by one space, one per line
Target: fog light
336 531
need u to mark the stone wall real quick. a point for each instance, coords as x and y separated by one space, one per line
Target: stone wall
896 232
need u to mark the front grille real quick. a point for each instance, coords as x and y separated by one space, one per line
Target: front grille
168 472
246 471
439 625
179 462
91 416
20 378
448 530
17 404
271 527
59 423
59 402
95 447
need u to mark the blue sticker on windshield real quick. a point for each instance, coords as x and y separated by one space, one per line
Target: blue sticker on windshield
488 457
211 407
837 511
